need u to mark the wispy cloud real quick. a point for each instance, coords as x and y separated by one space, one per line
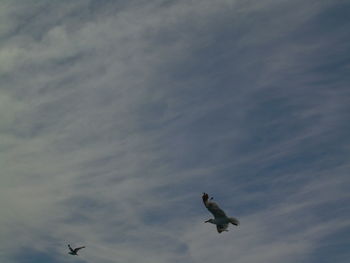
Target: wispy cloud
115 116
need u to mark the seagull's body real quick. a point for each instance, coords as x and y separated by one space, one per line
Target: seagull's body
74 251
221 220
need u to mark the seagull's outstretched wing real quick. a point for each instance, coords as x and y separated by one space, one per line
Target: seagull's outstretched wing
77 249
212 207
70 248
221 228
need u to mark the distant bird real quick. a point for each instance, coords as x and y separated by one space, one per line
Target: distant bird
74 251
220 219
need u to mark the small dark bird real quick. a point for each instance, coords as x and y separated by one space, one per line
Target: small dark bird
74 251
220 218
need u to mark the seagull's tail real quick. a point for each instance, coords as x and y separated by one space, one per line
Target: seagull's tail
234 221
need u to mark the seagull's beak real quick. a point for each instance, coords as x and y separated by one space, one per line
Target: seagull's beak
206 221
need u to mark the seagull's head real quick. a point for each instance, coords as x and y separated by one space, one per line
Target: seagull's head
210 221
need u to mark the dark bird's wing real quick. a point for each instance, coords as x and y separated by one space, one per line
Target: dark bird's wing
77 249
221 228
70 248
213 207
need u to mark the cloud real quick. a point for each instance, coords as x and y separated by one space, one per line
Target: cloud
114 117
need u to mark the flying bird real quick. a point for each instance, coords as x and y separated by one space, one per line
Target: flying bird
74 251
221 220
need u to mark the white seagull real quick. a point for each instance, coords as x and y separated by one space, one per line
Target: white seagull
220 218
74 251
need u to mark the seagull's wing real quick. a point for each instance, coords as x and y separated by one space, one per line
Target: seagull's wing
215 210
70 248
221 228
78 248
213 207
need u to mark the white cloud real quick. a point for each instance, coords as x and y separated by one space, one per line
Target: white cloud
113 121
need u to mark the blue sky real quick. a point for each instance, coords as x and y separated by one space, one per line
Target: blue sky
115 116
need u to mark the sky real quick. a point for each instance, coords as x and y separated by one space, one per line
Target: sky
115 117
